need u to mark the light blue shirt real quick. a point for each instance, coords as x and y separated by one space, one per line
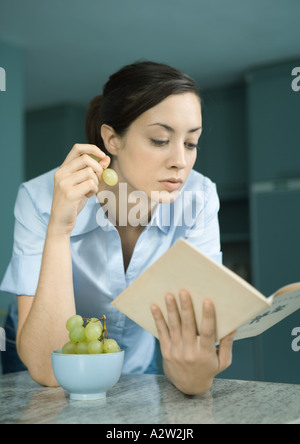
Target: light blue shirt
98 268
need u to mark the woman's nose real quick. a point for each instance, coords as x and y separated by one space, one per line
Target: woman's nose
177 157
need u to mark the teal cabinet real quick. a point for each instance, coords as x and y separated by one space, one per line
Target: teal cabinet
223 152
275 221
273 111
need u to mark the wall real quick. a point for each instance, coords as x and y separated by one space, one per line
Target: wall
12 155
50 134
12 151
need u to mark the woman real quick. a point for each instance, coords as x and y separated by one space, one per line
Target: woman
146 126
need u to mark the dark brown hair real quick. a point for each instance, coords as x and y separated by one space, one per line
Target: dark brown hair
129 93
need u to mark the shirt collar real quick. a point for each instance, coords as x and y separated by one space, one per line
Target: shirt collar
160 216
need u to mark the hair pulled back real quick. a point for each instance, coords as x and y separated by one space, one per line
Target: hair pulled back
129 93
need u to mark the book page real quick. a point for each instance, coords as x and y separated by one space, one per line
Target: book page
282 307
287 289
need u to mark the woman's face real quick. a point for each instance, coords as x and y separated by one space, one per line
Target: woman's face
159 149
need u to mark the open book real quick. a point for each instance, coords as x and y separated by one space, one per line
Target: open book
239 306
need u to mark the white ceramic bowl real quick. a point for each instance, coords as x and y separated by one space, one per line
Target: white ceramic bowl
87 377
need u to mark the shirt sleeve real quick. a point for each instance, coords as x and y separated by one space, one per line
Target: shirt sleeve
22 274
204 234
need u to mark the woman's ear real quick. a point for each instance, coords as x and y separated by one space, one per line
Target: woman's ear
111 139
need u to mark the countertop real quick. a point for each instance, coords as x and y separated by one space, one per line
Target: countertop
150 399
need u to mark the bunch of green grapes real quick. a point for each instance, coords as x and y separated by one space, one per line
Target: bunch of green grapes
87 338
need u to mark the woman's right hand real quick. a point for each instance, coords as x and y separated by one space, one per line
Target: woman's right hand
74 182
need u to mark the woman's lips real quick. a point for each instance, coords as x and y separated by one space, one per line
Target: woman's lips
171 185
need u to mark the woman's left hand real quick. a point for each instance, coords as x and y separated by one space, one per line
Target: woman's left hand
191 360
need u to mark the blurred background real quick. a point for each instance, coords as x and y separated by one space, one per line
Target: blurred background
57 55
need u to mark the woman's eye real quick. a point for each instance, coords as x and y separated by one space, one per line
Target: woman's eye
156 142
191 146
159 142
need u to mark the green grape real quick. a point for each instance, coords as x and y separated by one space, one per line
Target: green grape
81 348
77 334
93 331
95 347
74 321
110 346
68 349
95 321
110 177
94 157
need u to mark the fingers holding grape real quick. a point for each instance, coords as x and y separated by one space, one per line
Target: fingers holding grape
109 175
77 179
80 149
